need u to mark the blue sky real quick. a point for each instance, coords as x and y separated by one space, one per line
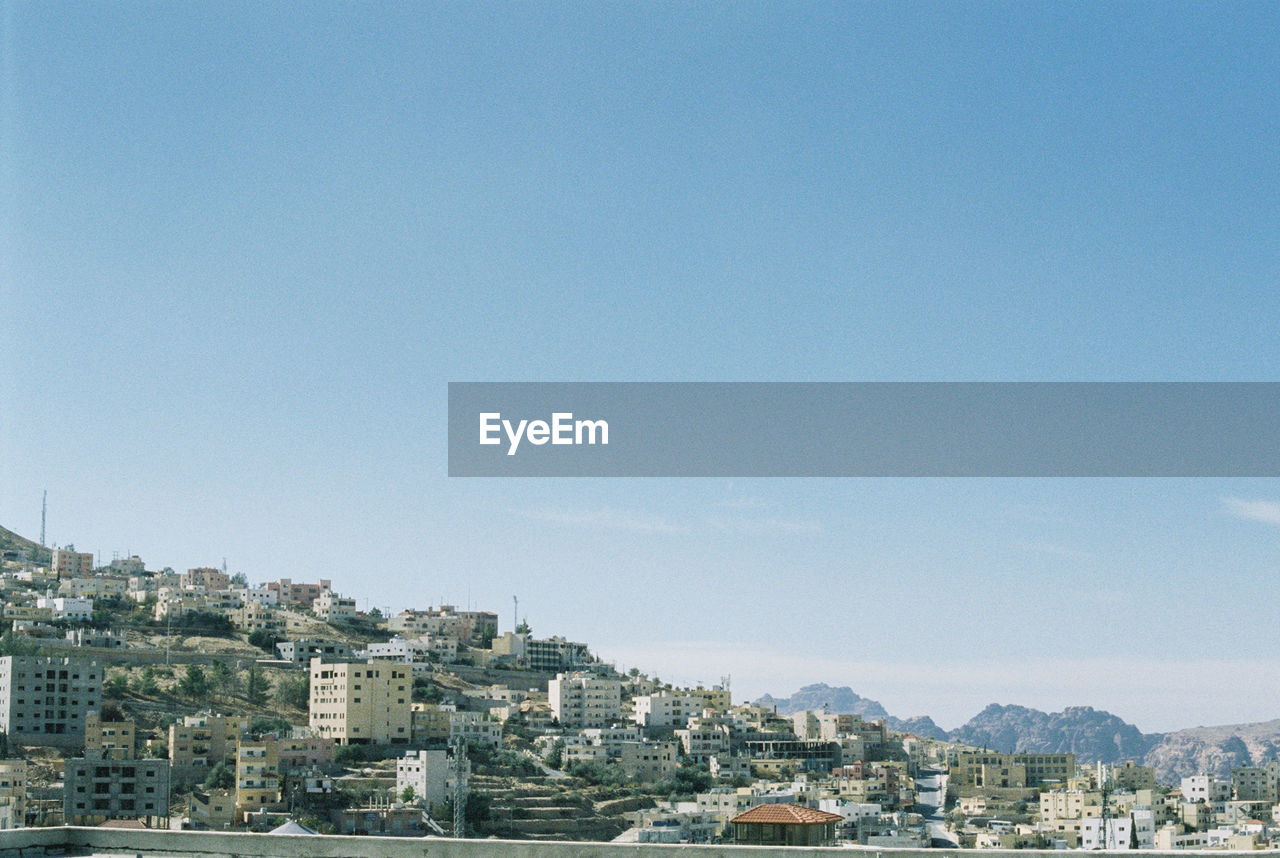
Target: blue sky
246 246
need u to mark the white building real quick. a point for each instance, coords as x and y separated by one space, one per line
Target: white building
583 700
427 772
1205 788
329 606
67 607
1118 833
666 709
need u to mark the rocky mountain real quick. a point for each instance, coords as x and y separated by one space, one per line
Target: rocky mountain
19 547
841 700
1089 733
919 725
1214 750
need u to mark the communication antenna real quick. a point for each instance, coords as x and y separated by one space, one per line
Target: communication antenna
515 612
1105 785
461 773
44 508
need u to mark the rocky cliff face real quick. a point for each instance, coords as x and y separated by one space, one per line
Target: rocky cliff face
841 700
1214 750
1089 733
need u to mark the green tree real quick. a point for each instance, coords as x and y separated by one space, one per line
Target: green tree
256 688
194 684
294 690
555 754
265 640
239 581
222 678
221 777
147 684
13 643
116 686
406 795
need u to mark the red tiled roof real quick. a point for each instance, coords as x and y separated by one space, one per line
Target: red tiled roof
786 814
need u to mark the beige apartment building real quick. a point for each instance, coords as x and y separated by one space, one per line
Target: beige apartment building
357 703
69 563
13 788
113 740
205 740
257 777
992 770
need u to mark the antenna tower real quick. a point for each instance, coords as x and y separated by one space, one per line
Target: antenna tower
461 775
44 508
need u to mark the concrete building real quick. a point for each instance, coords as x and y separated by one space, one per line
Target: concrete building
44 701
66 607
331 607
302 650
556 654
257 777
97 587
13 789
702 741
98 638
206 578
427 773
649 761
98 789
111 739
666 709
360 703
584 700
213 809
1205 788
1257 783
253 617
989 769
69 563
1132 776
299 595
477 728
1118 833
204 740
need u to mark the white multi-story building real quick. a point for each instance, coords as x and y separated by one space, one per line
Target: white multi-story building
329 606
258 596
583 700
426 772
666 709
704 741
66 608
1205 788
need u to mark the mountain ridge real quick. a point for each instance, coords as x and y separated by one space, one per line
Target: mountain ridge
1091 734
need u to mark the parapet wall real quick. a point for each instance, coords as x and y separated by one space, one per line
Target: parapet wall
35 842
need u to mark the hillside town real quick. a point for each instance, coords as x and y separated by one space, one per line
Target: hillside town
133 697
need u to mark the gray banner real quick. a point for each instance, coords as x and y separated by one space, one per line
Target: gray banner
864 429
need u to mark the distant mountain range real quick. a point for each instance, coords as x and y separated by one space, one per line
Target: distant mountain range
1091 734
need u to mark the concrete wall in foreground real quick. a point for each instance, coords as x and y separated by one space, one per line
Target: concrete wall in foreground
33 842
